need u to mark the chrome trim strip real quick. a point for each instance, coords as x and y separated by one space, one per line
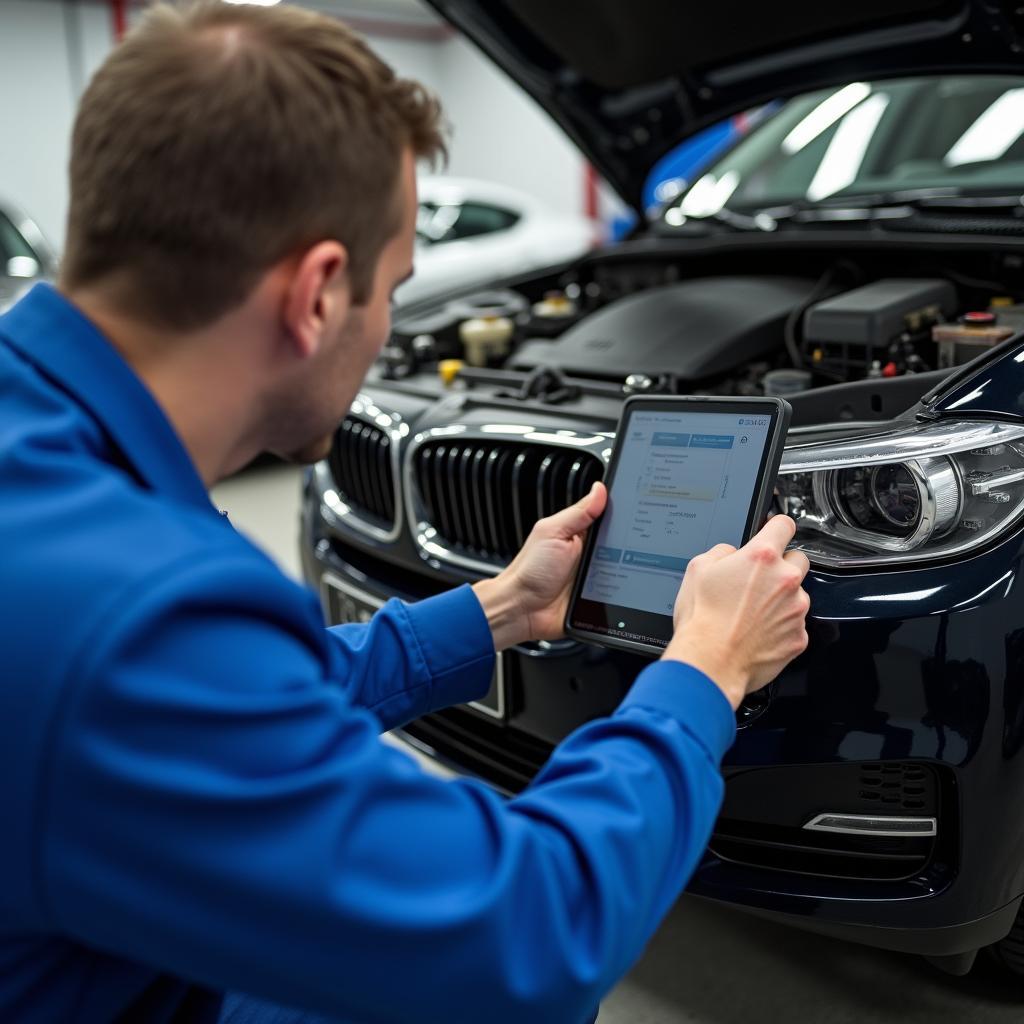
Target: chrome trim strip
499 678
873 825
425 536
328 579
333 508
913 441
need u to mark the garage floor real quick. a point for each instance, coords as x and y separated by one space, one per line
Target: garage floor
709 964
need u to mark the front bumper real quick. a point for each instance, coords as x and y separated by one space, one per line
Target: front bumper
909 700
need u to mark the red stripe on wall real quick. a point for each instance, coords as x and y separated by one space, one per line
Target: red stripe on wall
119 15
590 197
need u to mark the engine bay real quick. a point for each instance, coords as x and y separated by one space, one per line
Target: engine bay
625 322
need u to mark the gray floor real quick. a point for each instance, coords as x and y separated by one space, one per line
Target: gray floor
709 964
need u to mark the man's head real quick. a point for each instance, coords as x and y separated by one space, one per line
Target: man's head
221 145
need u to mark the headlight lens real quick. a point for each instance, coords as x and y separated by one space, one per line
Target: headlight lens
915 493
882 498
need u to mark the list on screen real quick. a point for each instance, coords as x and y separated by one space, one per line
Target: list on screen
683 483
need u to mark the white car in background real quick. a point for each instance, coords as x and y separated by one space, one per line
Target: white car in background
470 231
25 256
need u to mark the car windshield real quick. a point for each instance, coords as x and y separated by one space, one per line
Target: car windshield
962 135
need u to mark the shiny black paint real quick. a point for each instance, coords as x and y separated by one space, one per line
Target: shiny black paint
995 388
931 672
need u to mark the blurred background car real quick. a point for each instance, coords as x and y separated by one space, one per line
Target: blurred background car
25 255
470 231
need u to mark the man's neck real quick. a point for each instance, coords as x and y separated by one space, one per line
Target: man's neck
197 378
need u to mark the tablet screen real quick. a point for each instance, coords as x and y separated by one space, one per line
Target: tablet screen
683 481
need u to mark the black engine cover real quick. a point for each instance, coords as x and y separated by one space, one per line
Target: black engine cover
694 330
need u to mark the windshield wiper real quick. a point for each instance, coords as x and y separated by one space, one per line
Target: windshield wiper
890 205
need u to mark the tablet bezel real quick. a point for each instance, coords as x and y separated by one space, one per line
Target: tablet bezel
649 633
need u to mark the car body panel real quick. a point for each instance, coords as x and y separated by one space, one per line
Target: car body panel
995 389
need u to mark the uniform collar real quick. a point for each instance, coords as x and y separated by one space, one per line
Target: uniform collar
56 337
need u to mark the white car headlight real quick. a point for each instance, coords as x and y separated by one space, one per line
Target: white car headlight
919 492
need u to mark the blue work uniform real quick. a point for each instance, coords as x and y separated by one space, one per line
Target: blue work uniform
196 799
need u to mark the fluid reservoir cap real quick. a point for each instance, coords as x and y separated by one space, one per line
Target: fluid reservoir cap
637 383
979 318
554 304
447 370
785 382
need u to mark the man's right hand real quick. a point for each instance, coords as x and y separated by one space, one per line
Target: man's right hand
740 615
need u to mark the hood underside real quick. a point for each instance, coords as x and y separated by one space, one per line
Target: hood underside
629 79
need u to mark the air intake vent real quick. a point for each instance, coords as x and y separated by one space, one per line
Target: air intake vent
896 788
483 496
361 465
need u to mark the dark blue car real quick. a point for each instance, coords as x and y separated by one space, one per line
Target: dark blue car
860 252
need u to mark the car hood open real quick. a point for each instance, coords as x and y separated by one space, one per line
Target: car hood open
629 79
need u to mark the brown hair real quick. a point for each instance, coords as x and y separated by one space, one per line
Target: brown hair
216 140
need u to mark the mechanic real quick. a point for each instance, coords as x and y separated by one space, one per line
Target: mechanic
196 795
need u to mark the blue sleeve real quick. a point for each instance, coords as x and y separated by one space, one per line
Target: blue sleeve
214 808
413 659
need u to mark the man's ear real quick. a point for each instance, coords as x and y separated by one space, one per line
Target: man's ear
317 295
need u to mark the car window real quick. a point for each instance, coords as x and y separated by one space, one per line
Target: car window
482 219
13 244
446 222
957 132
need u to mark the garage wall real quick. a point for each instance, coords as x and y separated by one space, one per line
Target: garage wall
50 48
500 134
47 51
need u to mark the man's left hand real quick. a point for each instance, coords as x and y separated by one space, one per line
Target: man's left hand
529 599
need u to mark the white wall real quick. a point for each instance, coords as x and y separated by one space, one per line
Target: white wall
49 48
500 134
47 51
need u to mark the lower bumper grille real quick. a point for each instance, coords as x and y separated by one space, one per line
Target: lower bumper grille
505 758
797 851
765 809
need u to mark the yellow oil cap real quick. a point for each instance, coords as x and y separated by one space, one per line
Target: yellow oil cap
447 369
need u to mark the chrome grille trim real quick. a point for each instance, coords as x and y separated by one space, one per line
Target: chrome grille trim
481 463
364 412
873 825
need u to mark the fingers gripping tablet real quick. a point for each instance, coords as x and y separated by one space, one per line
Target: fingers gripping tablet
685 474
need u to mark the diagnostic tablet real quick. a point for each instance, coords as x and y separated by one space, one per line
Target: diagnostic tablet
685 474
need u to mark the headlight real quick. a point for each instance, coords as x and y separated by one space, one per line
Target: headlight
918 492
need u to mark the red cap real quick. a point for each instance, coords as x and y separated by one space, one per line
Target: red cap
890 370
979 318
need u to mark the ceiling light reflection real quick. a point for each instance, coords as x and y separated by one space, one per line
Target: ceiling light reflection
824 115
994 132
841 162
